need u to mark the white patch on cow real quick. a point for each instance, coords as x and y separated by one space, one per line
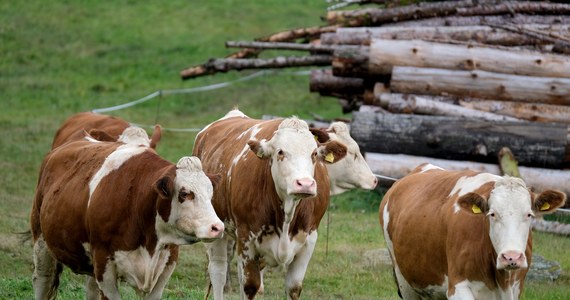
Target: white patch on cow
140 269
478 290
234 113
135 136
91 139
109 284
428 167
113 162
87 249
468 184
236 160
352 171
510 215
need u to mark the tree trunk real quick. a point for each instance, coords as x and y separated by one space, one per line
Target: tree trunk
426 105
385 54
486 20
534 144
480 34
399 165
527 111
481 84
325 83
378 17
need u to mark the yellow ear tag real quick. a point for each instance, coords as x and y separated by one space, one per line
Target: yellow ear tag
259 154
329 157
545 206
476 209
316 138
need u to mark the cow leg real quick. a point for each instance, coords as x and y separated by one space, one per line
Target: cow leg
249 275
217 265
462 291
45 278
231 251
91 288
158 289
298 267
106 275
405 289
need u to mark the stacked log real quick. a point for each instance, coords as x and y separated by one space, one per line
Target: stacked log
449 80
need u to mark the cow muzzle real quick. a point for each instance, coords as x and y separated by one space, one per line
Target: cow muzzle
305 187
511 260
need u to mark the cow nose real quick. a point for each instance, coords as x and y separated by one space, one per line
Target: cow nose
217 230
375 183
305 187
512 259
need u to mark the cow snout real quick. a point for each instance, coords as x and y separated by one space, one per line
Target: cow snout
305 187
216 230
512 260
375 182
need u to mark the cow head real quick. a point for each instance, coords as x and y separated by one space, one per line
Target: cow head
353 171
510 207
293 153
186 210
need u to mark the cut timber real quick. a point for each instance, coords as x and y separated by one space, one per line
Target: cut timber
385 54
480 34
228 64
377 17
536 144
426 105
325 83
528 111
399 165
481 84
486 20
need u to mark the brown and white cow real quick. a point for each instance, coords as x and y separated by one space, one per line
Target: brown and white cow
101 127
117 211
273 194
461 234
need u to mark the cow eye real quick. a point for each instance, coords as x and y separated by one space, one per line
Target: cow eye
355 156
182 196
491 214
530 215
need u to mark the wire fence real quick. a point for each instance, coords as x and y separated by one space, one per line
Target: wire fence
161 93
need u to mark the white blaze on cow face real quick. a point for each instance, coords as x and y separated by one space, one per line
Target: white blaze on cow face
192 213
292 151
510 214
353 171
135 136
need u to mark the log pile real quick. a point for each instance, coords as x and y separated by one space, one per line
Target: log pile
449 79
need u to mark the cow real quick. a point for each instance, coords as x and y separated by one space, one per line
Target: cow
352 172
461 234
101 127
272 196
117 211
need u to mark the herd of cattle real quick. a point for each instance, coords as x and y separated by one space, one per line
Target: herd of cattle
108 206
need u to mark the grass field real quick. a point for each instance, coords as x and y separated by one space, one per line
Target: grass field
62 57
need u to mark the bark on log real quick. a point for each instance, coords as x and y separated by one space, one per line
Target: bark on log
527 111
480 34
481 84
377 17
399 165
225 65
323 82
560 45
485 20
535 144
383 55
426 105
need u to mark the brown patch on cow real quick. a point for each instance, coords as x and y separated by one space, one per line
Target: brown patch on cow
101 135
321 136
295 292
337 149
215 179
164 187
72 128
548 201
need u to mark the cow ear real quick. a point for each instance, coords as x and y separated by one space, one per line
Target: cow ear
156 136
548 201
320 135
473 203
260 148
101 135
215 179
164 187
331 152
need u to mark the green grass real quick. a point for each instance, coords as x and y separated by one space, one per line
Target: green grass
62 57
